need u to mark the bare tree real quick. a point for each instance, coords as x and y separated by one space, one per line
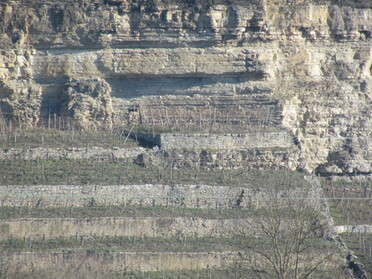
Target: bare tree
287 240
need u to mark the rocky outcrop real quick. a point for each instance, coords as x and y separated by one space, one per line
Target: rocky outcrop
20 95
21 99
308 62
350 159
88 101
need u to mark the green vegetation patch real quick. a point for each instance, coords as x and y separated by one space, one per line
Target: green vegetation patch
91 171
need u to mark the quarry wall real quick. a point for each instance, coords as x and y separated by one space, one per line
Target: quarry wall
302 65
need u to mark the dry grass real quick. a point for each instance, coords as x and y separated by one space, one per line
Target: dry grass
123 211
361 245
350 202
60 138
92 171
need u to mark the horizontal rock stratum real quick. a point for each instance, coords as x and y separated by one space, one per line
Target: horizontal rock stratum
303 66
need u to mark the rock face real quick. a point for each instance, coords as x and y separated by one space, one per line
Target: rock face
302 65
88 101
21 99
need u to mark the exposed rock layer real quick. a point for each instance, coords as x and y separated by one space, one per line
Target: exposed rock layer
312 59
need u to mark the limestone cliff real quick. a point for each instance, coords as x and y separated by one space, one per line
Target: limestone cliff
300 65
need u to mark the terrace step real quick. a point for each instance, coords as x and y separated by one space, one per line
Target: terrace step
108 262
181 195
366 229
91 262
48 228
76 153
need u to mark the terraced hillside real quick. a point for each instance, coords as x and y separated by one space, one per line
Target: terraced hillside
185 139
301 66
350 205
96 217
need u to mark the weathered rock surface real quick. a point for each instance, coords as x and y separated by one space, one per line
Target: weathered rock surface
88 100
21 99
312 59
74 153
191 196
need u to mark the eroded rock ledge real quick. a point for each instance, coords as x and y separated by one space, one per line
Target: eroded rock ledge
300 65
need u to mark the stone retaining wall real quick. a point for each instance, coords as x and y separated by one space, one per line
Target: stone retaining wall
192 196
263 158
252 150
73 263
70 153
197 141
194 157
49 228
353 229
226 141
63 263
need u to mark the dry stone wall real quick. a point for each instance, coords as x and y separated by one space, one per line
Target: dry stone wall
361 229
263 158
51 228
277 158
75 153
226 141
192 196
62 263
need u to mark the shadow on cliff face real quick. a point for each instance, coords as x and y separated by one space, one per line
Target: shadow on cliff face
349 160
